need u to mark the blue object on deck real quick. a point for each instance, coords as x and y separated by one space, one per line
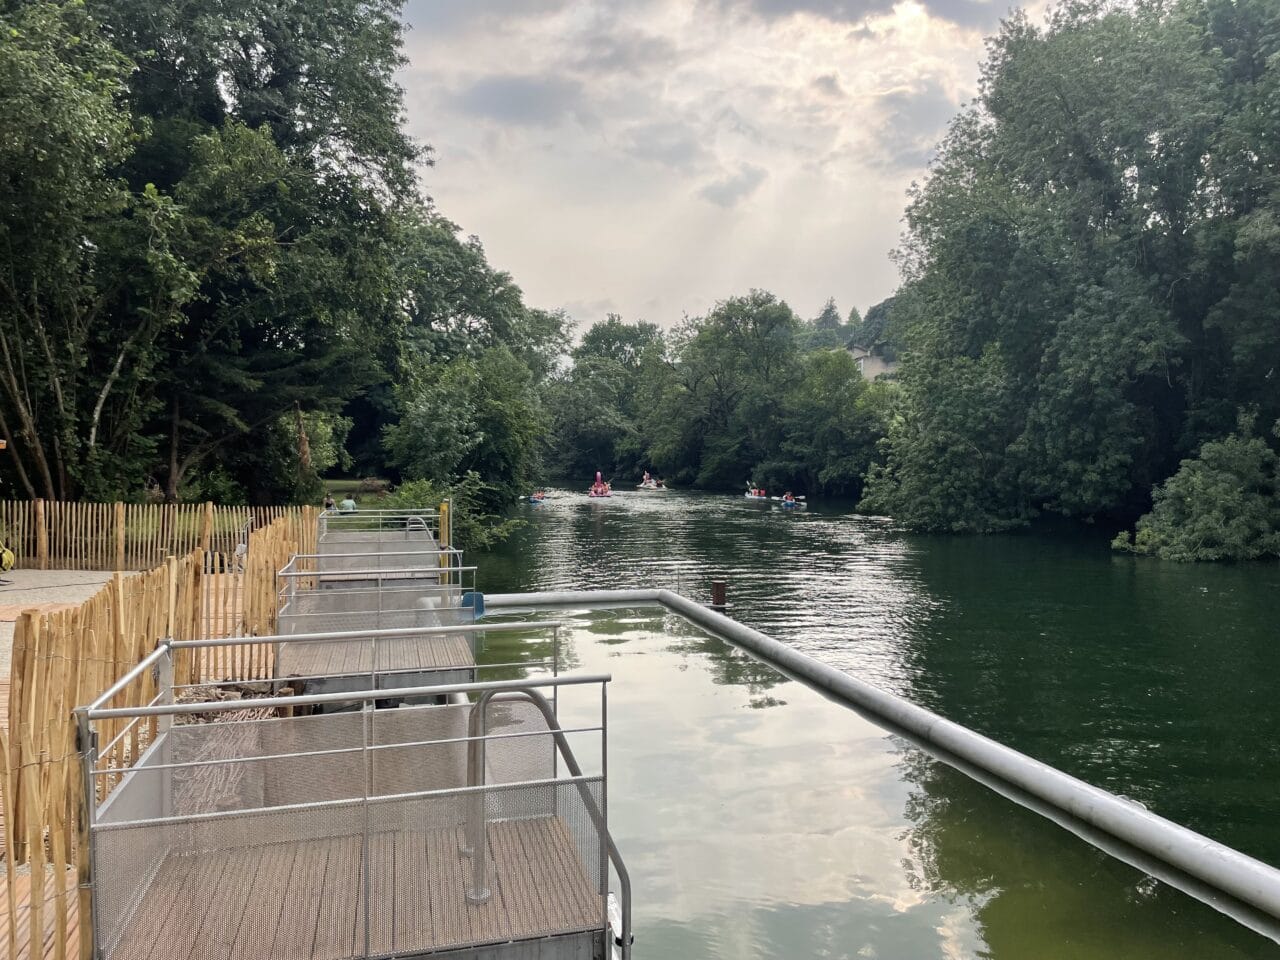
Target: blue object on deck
475 600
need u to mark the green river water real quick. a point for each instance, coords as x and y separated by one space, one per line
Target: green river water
760 820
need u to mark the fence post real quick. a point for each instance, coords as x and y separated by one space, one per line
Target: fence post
171 569
42 537
206 529
119 536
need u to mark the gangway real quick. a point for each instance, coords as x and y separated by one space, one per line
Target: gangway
409 832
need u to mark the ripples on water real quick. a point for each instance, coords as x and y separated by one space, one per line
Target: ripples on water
835 584
1156 681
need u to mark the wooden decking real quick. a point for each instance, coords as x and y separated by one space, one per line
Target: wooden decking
58 884
348 657
304 900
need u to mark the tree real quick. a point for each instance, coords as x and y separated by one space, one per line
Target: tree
832 421
89 276
202 216
476 415
826 331
1223 504
1094 251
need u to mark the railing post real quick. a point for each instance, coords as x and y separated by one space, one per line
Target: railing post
365 871
164 723
87 744
477 830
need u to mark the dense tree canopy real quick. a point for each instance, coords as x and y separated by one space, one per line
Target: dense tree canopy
217 264
1091 268
218 277
747 394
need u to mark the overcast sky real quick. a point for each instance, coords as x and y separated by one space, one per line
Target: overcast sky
649 157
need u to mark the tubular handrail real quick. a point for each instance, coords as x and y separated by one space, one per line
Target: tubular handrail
371 574
477 732
355 696
365 512
377 553
162 648
1192 856
377 633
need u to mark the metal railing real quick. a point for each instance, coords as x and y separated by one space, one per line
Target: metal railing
477 728
399 597
337 527
357 564
1240 886
386 659
245 799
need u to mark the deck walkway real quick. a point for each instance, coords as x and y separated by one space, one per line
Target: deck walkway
351 658
303 900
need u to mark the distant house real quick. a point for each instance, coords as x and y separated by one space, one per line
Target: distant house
871 363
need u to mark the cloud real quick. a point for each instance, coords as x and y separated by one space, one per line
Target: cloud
828 84
841 11
730 190
978 14
966 13
449 16
521 99
669 143
915 121
631 130
612 51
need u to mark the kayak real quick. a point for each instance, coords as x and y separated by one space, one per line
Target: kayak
594 495
752 496
651 487
791 505
537 499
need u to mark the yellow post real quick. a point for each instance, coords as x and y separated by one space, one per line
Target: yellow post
444 536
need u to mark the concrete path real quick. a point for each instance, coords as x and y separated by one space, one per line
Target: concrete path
43 589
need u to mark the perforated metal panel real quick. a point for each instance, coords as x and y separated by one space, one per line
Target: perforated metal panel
356 879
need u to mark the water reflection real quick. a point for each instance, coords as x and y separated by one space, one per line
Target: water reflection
802 830
761 821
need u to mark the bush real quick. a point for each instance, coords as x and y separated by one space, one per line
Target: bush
1222 505
473 527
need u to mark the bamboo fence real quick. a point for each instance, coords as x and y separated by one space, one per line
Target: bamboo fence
62 659
66 658
244 602
56 535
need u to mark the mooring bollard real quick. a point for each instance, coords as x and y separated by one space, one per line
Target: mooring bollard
719 592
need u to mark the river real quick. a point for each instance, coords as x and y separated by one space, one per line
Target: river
789 827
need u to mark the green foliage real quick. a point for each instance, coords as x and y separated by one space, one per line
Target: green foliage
946 467
476 415
1224 504
1091 268
474 526
726 399
87 275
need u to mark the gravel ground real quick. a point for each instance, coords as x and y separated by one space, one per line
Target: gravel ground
35 587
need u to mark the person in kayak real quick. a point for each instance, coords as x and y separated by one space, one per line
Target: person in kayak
788 498
599 488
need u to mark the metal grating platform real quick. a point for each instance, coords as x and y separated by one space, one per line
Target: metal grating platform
387 654
303 900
